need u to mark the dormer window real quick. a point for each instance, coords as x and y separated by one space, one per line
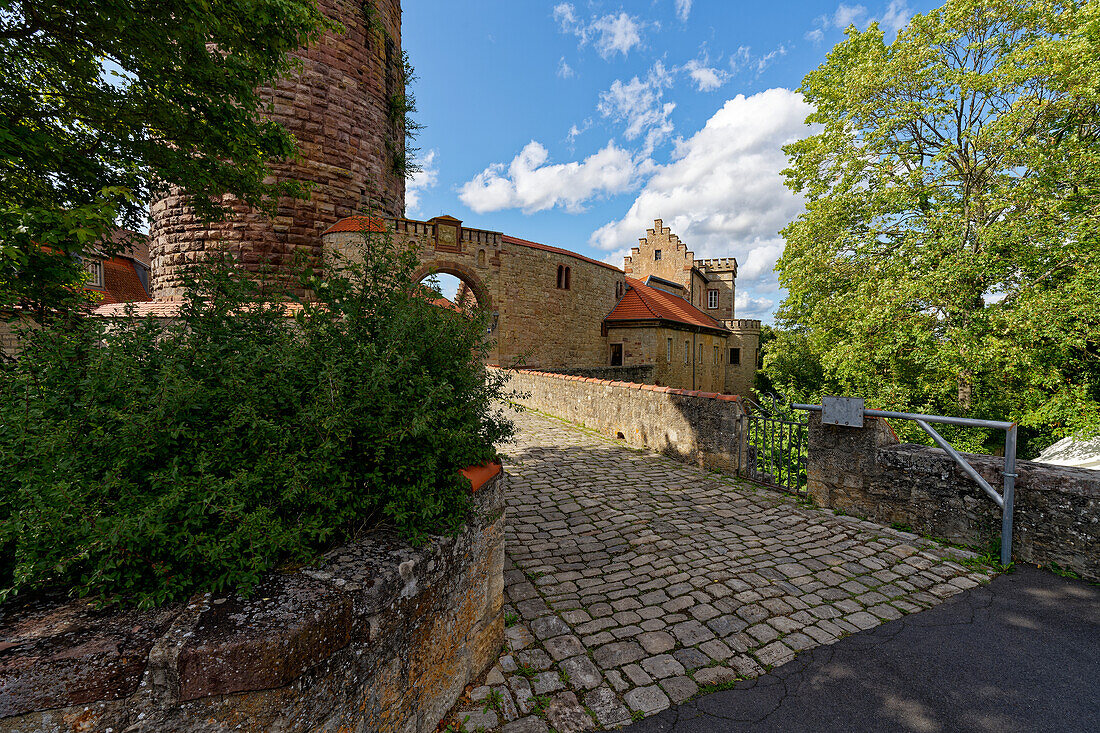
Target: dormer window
95 269
656 255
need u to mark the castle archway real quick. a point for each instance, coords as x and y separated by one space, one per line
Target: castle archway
466 275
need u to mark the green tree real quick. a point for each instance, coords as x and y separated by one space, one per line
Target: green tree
103 103
948 258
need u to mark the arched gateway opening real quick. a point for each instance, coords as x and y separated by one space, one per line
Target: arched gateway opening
457 284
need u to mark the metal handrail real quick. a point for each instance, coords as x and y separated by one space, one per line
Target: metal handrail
1004 500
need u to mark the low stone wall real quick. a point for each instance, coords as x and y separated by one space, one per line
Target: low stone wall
379 637
701 428
636 374
866 472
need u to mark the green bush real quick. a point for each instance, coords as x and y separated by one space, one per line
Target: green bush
145 462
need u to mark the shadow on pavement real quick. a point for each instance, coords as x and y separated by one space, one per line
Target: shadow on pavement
1021 654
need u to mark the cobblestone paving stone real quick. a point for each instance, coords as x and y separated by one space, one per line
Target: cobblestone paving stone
633 580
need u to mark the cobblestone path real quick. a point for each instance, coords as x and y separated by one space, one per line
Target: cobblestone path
634 582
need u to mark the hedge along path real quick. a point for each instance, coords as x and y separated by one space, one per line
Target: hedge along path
635 582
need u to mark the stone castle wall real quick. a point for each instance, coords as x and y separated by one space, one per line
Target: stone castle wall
382 637
650 345
699 428
337 108
544 326
866 472
745 336
538 324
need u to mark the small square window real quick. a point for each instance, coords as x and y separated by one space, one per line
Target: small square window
656 254
712 299
735 356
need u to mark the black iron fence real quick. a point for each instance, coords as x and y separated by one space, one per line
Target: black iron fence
773 444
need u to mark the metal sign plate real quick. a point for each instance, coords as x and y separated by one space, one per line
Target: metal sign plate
846 411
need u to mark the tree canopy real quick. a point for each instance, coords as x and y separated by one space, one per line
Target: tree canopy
104 103
948 258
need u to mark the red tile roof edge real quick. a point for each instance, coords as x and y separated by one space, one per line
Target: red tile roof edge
627 385
478 476
557 250
356 224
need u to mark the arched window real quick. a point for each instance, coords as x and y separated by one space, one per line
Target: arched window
561 275
567 278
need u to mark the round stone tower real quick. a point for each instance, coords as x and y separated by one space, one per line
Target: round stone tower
337 106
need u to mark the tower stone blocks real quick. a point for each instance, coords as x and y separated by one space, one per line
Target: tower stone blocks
337 106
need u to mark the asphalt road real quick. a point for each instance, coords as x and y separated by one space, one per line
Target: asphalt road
1020 654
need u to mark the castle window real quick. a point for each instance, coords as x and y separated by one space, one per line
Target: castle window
567 278
656 255
668 352
716 356
712 299
561 276
687 352
735 356
616 354
699 353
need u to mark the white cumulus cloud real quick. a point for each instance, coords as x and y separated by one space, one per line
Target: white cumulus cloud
639 103
531 183
894 17
609 34
723 192
846 15
706 77
418 182
897 15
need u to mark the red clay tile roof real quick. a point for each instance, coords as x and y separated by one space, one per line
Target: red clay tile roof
357 224
121 282
556 250
643 303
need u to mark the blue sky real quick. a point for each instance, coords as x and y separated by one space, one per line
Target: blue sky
578 123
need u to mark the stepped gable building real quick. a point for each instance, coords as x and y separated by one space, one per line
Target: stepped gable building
556 310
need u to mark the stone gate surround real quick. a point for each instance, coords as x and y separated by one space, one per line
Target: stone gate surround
380 636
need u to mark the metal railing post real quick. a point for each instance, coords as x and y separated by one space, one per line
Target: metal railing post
1009 495
1006 499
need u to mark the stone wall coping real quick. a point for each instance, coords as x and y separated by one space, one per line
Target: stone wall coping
58 652
629 385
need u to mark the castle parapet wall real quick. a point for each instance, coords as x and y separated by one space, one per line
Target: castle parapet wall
700 428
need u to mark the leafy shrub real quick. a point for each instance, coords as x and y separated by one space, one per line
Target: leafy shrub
143 462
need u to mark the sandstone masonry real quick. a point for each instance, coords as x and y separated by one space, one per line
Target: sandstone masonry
337 108
700 428
380 637
866 472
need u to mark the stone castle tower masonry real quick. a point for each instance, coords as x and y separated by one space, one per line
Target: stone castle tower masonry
337 106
